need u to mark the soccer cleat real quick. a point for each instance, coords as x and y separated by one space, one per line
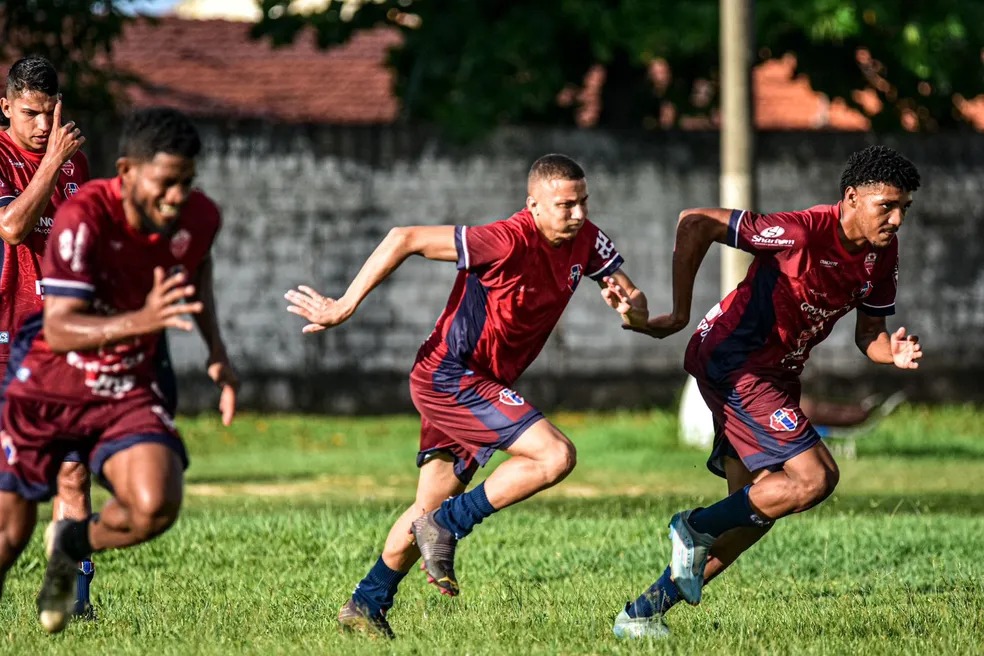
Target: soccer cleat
353 617
437 545
690 551
640 627
56 600
83 610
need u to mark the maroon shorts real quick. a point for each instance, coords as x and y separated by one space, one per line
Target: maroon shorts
468 416
37 435
757 420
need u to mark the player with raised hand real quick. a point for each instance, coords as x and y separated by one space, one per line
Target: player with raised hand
811 268
515 278
84 379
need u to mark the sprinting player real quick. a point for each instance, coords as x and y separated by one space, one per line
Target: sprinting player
41 166
515 278
811 267
84 379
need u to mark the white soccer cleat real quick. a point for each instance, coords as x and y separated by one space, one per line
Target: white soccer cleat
57 596
690 551
633 628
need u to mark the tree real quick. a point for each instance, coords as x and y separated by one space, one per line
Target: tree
77 38
469 66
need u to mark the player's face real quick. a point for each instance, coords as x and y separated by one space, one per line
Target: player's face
155 191
559 207
880 211
31 115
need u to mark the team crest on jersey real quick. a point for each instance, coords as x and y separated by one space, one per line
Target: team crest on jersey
784 420
509 397
575 277
180 243
71 189
68 168
864 290
4 337
869 262
9 450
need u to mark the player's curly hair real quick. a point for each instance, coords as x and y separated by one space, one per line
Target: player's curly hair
147 132
33 73
879 165
555 167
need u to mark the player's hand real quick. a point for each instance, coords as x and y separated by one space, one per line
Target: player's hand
165 306
662 326
619 300
223 375
321 311
906 350
63 140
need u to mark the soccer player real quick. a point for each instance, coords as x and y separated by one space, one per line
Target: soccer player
811 268
41 166
84 378
515 278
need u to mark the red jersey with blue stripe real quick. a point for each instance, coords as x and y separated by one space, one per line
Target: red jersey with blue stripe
511 290
20 265
801 282
95 255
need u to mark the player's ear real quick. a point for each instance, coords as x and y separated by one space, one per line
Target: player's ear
123 166
5 106
530 203
851 196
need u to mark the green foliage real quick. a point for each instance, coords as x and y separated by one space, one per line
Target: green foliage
77 37
259 564
469 66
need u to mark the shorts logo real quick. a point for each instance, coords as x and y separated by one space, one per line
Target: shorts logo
9 450
864 290
783 419
4 337
509 397
773 232
574 278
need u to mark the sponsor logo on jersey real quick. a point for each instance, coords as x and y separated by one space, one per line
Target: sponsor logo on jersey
4 337
71 189
44 225
180 243
68 168
574 278
784 420
773 232
16 165
509 397
829 263
770 237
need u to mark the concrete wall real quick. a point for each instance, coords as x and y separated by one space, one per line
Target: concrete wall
308 205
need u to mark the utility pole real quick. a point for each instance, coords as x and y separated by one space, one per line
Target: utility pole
737 184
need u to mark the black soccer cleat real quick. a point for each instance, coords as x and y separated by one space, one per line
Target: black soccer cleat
56 600
353 617
437 545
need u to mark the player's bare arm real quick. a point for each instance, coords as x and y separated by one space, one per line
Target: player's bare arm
873 339
69 324
431 242
21 215
697 229
219 367
621 294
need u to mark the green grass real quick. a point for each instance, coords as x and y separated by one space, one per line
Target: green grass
285 514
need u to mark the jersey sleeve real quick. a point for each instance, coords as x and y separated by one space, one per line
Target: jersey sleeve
767 233
70 255
603 259
881 301
480 246
7 191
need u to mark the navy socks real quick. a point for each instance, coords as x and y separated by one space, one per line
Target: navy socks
731 512
375 592
460 514
659 598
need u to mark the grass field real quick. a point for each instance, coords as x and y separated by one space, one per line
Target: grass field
285 514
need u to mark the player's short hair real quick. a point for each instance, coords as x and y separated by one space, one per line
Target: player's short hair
33 73
555 167
879 165
147 132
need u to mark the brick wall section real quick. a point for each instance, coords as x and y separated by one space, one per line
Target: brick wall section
308 204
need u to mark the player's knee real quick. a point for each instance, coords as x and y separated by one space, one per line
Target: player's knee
561 460
818 485
151 517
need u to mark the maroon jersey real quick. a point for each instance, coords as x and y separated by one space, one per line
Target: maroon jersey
802 281
95 255
511 289
20 265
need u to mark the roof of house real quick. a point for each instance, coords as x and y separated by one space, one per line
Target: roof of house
213 68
